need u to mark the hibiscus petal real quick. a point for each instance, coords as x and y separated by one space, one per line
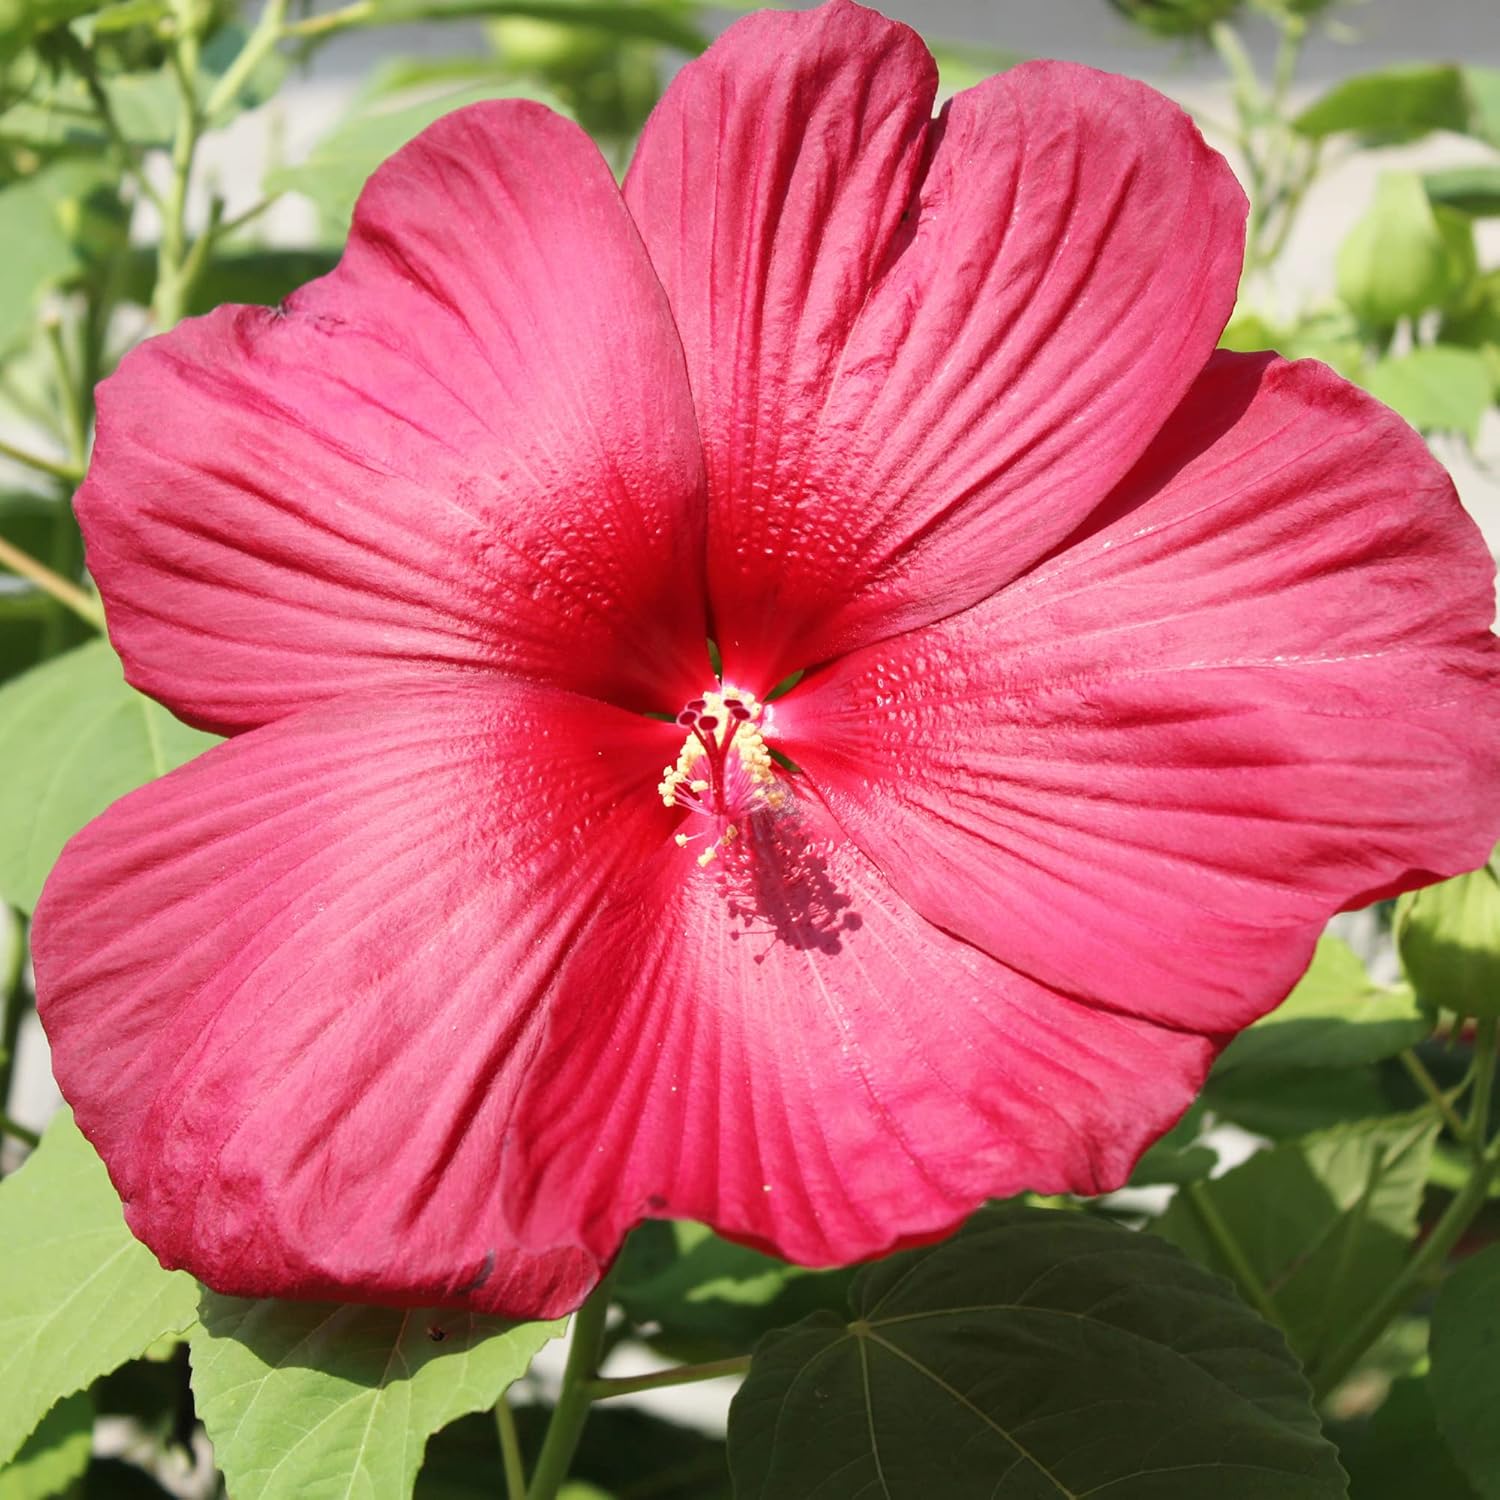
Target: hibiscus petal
292 989
921 352
792 1055
1261 688
471 443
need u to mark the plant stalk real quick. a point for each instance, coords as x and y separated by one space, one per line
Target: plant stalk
572 1409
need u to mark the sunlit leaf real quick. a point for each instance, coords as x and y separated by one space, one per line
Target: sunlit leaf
73 739
1437 389
310 1400
1324 1223
1449 939
1336 1017
55 1454
1472 190
1398 103
80 1295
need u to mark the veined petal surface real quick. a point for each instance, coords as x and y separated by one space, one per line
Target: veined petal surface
921 351
292 990
472 443
434 1009
792 1055
1259 688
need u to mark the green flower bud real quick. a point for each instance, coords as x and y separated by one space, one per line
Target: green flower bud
1449 939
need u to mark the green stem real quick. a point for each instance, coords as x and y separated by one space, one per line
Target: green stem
332 20
510 1450
601 1388
572 1409
75 423
1252 1288
13 1002
261 41
1436 1097
20 1132
170 299
69 595
1426 1266
66 472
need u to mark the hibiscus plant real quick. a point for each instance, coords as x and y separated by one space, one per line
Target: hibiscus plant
710 699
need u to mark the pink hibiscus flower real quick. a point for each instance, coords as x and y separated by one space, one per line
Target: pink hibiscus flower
1127 663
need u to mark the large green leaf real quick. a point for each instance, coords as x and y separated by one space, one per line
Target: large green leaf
1336 1017
381 122
1041 1354
55 1454
1465 1376
309 1400
1394 104
73 739
1437 389
1323 1223
80 1295
710 1299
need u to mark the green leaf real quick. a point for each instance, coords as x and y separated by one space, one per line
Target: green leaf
1399 260
1395 104
1287 1103
310 1400
1483 86
1465 1375
55 1454
712 1299
1042 1354
1448 936
1399 1454
1470 190
52 223
1336 1017
73 739
380 124
80 1294
1437 389
1323 1223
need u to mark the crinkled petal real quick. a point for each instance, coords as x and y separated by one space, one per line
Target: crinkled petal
472 443
922 352
293 989
1260 688
791 1054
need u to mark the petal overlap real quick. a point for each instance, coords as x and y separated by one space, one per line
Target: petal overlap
1150 770
921 352
472 443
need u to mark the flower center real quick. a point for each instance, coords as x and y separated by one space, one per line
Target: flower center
724 770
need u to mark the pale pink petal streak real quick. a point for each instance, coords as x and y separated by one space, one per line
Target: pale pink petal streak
471 444
916 372
1147 772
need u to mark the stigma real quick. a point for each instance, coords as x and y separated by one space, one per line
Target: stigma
724 772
